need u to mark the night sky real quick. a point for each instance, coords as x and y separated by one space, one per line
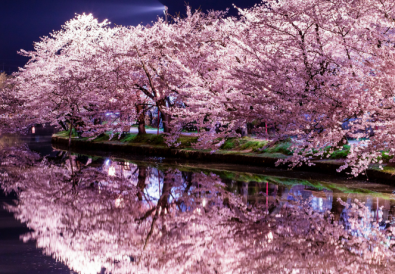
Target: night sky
23 21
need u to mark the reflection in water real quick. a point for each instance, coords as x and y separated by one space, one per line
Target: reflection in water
38 139
122 217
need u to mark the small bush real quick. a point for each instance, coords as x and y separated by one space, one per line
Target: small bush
283 147
102 137
229 144
385 157
128 138
148 139
187 141
254 145
244 143
341 154
65 133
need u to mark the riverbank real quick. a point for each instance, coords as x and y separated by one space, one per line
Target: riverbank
152 145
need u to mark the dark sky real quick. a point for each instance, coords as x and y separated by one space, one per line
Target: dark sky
23 21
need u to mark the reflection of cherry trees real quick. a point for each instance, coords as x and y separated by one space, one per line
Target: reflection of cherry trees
17 156
142 219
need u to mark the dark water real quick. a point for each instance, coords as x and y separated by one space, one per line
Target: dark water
15 255
88 214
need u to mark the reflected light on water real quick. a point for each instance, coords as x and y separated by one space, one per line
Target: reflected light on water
119 202
159 219
111 171
270 237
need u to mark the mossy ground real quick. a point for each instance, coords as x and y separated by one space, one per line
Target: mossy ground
130 138
65 133
147 127
244 145
341 153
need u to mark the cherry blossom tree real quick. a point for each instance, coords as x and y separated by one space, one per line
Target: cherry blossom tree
70 76
307 67
199 42
304 68
170 65
145 50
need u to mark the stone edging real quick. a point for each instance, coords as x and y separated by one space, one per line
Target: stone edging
321 166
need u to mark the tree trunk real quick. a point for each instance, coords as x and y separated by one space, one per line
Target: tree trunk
250 126
162 206
166 122
63 125
141 181
141 120
342 142
150 118
158 123
70 132
166 118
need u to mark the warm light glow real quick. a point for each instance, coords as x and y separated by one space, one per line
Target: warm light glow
114 225
270 237
119 202
111 171
33 130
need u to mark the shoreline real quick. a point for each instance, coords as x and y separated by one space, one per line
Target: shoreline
225 157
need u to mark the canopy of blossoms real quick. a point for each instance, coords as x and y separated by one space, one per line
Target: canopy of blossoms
303 68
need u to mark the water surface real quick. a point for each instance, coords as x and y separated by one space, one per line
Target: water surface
89 214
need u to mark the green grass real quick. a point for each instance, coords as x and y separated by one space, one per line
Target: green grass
128 138
256 145
244 144
65 133
341 153
147 127
282 147
187 141
231 145
102 137
152 139
148 139
385 157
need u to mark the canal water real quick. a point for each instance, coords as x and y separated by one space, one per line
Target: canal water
74 212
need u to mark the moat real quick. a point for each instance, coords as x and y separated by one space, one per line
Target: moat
77 213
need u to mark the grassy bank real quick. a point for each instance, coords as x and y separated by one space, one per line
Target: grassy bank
232 145
240 151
